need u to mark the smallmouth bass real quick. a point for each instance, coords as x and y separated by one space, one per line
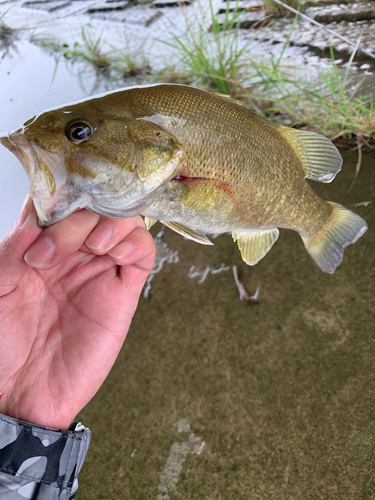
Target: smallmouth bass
197 161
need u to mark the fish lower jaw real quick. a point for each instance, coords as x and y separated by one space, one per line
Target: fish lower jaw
53 210
115 212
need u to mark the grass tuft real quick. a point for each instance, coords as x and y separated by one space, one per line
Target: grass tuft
7 37
333 108
276 10
212 54
109 63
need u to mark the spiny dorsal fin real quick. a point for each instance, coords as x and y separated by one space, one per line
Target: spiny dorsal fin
227 97
188 233
254 246
320 159
150 222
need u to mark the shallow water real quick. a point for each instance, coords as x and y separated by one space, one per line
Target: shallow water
282 393
270 401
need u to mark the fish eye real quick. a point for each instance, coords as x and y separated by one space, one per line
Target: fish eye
78 132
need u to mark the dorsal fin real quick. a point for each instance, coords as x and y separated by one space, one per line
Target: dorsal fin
191 234
255 245
320 159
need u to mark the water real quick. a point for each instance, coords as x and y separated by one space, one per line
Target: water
282 392
26 88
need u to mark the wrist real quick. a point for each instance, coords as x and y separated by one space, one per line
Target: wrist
35 414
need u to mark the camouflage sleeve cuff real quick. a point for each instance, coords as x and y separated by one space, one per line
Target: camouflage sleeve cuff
40 463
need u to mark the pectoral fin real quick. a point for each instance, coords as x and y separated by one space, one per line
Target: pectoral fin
255 245
150 222
188 233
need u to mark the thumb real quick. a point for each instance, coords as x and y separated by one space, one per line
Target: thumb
13 247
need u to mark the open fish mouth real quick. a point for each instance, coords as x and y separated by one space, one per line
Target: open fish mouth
51 193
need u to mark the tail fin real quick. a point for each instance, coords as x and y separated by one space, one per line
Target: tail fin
342 228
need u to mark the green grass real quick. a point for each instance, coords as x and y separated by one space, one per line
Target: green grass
94 54
333 109
277 10
211 54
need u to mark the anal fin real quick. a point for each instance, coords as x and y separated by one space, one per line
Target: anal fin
255 245
191 234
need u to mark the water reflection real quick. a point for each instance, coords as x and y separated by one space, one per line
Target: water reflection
163 255
8 37
203 273
26 89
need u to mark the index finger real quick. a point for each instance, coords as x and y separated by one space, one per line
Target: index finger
12 248
61 240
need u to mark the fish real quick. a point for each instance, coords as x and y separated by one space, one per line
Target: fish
199 162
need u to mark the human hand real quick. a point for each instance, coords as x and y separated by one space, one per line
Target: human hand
62 323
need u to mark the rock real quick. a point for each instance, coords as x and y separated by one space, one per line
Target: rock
246 19
109 7
347 13
242 5
48 5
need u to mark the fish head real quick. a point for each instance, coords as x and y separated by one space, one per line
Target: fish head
89 155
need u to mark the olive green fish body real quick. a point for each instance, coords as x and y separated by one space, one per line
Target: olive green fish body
197 161
233 158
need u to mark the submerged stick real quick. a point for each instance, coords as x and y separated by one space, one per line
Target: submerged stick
251 299
357 169
334 33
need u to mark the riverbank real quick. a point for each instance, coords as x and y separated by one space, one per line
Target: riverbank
282 67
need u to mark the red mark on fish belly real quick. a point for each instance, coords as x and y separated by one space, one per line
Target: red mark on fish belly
1 394
189 180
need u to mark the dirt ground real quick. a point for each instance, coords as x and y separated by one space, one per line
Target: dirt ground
279 396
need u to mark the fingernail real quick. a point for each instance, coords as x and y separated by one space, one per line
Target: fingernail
100 238
25 210
122 251
40 253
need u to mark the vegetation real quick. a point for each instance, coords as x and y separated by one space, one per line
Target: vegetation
7 37
210 54
108 62
214 54
277 10
334 109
